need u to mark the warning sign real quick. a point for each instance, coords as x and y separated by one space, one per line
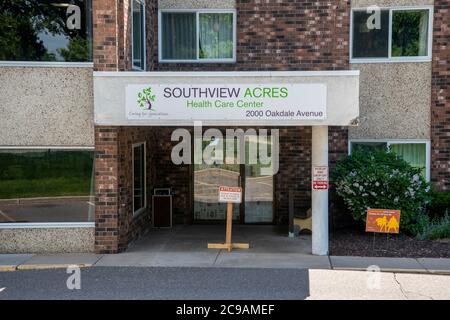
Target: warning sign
230 194
383 220
320 178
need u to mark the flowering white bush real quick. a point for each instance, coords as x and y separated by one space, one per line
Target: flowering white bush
379 179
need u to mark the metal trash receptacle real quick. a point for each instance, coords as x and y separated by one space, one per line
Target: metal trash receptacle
162 208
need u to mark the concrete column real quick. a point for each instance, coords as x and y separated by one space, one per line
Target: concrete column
319 197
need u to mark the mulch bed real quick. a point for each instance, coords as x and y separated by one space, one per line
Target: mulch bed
352 242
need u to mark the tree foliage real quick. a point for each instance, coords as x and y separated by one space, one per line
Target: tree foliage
23 24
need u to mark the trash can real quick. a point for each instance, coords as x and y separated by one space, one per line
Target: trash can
162 208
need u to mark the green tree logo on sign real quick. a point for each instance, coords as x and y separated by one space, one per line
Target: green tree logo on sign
145 99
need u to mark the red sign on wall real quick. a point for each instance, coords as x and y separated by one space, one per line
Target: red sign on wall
320 178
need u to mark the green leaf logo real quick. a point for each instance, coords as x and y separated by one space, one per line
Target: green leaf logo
146 98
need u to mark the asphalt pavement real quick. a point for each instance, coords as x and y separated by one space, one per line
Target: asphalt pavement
220 283
156 283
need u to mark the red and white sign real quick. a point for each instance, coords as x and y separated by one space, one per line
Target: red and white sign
320 178
230 194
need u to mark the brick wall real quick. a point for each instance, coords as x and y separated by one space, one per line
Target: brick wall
111 35
130 227
271 35
277 35
169 175
124 35
105 34
115 225
106 189
294 176
440 97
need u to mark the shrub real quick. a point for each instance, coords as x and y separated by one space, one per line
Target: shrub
375 178
430 229
440 204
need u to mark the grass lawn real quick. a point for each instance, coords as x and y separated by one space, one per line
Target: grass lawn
45 173
44 187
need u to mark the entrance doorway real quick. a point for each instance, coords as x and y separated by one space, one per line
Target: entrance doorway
257 206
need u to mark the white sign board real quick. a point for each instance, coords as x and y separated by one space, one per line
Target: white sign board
320 178
230 194
176 102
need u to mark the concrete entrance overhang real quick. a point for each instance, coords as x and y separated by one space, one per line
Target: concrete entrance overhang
341 105
342 95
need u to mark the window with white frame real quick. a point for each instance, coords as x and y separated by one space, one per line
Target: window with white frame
46 185
416 153
138 34
139 172
391 34
197 36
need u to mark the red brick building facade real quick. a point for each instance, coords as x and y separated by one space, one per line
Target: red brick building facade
440 97
271 36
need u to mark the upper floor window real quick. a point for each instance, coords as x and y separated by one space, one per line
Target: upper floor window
45 30
197 36
138 34
391 34
416 153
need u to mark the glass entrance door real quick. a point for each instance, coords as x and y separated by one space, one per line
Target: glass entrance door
207 179
257 188
258 196
258 205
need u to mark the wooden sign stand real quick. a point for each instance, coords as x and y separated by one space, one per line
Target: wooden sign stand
228 244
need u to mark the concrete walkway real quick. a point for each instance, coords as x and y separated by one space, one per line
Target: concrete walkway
223 259
186 246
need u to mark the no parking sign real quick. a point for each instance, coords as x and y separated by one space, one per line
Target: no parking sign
320 178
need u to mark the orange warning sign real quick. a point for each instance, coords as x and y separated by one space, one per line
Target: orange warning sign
383 220
230 194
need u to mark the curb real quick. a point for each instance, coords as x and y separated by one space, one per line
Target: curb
7 268
43 266
51 266
393 270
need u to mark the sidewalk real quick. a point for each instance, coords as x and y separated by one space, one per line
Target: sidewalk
220 258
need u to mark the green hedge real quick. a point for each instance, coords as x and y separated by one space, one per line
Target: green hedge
440 204
376 178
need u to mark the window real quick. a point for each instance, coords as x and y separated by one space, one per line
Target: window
416 153
410 33
370 43
138 35
46 185
216 36
197 36
403 34
139 163
46 30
